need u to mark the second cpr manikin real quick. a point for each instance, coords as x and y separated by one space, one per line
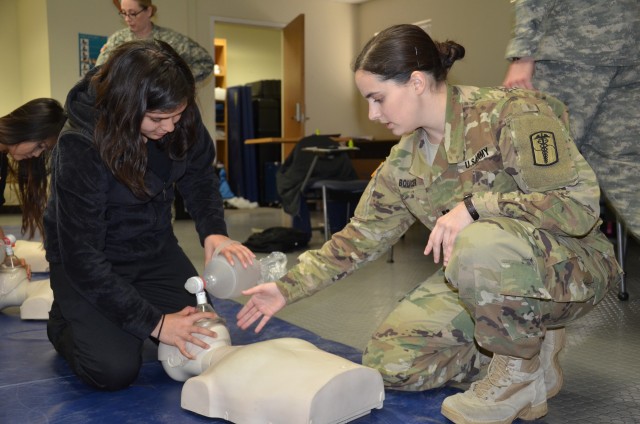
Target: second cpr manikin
33 297
285 380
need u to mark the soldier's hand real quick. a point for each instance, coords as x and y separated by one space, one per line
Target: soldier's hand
444 233
520 74
265 301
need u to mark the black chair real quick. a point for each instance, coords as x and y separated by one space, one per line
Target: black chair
330 176
346 194
303 168
339 201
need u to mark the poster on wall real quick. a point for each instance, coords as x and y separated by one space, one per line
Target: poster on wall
89 49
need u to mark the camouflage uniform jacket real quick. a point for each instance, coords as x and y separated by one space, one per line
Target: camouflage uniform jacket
510 148
198 59
578 31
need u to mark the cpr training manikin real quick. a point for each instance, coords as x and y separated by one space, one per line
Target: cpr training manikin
33 297
285 380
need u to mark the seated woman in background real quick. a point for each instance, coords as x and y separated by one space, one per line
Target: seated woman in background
25 134
137 14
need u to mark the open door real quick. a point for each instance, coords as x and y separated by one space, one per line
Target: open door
293 99
293 107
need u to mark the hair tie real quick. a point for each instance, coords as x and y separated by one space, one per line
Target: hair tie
160 329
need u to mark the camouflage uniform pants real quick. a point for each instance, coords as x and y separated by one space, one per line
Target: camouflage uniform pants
605 123
507 283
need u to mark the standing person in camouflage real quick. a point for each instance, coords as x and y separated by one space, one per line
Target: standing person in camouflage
137 14
513 213
586 53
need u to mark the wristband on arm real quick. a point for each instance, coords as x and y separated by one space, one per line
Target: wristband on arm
159 329
470 208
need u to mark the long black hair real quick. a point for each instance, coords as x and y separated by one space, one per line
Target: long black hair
141 76
38 120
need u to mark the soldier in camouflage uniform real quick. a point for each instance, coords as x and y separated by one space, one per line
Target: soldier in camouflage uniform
137 14
586 53
513 212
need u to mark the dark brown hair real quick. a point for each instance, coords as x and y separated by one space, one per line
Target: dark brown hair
141 76
37 120
394 53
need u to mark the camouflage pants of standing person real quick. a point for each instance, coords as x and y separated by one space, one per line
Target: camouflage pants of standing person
605 123
505 284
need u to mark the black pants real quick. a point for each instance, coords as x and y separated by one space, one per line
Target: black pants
99 352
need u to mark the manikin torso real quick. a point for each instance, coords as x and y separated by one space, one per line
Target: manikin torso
283 380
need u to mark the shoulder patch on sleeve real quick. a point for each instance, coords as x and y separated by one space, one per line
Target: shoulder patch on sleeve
542 147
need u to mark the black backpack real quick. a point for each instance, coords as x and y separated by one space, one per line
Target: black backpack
280 239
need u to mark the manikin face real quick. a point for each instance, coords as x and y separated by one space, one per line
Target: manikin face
157 124
137 22
29 149
394 105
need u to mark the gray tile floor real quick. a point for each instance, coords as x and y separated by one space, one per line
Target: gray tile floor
600 361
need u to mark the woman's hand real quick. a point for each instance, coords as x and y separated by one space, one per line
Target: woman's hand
180 327
27 267
520 74
266 300
229 251
444 234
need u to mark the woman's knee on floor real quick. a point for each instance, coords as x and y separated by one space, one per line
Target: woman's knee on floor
104 363
108 372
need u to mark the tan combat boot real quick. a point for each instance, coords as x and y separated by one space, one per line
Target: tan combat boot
513 388
552 344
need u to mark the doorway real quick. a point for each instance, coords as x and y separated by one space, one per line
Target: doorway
261 52
291 58
253 53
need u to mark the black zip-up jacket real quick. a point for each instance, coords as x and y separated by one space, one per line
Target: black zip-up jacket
92 220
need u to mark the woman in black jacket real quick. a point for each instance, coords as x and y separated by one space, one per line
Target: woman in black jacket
133 134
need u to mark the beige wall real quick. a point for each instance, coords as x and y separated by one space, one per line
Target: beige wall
24 66
334 33
24 43
253 53
10 72
482 27
34 48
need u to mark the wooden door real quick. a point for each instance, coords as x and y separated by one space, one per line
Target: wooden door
293 107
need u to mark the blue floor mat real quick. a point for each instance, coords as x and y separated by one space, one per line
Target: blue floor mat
37 386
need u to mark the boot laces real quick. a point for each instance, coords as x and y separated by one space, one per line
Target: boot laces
497 375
